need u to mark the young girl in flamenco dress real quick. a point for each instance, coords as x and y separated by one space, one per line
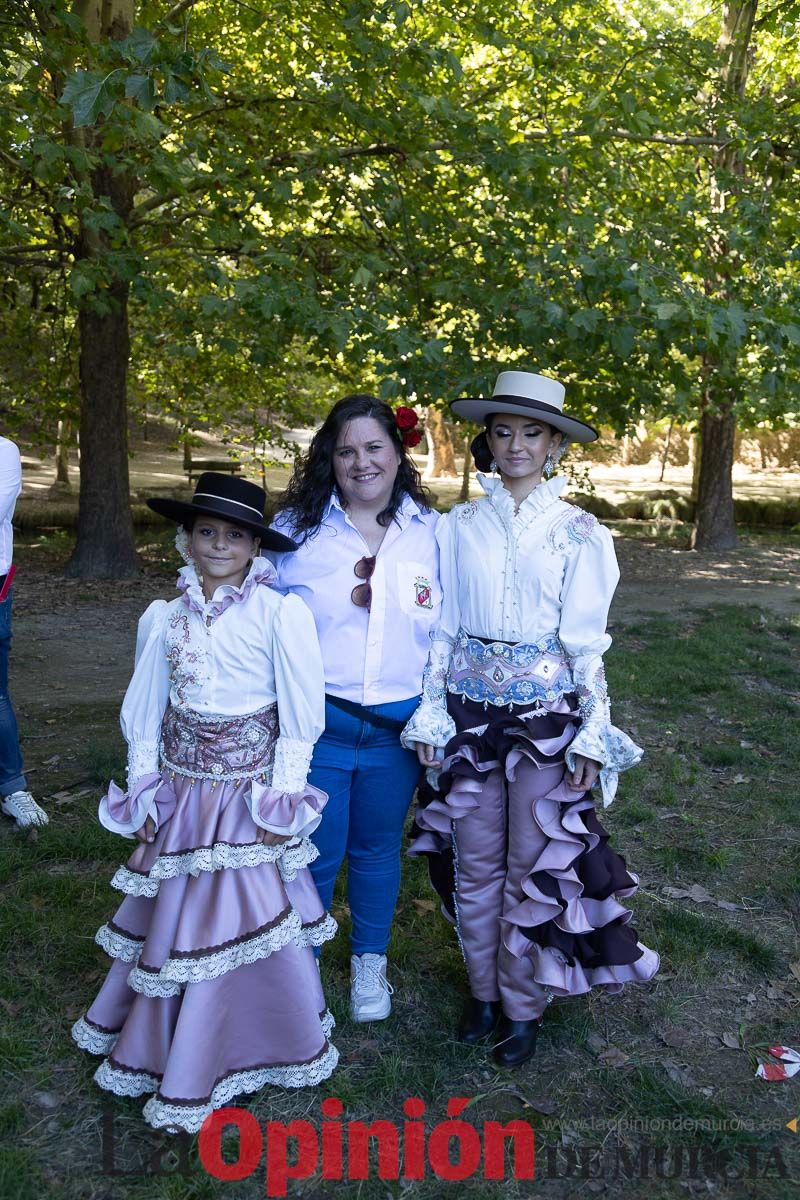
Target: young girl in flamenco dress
214 990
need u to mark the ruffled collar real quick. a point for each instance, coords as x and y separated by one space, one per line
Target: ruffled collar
541 498
261 572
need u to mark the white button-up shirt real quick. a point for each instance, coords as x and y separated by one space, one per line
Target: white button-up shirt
516 576
239 652
10 488
373 656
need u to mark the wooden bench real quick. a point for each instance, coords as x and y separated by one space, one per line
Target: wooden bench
195 467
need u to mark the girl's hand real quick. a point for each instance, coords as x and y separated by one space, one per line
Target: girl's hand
427 756
270 839
148 830
585 774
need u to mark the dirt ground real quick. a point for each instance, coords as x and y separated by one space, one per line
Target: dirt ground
71 661
74 641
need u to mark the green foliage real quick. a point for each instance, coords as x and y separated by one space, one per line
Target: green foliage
400 197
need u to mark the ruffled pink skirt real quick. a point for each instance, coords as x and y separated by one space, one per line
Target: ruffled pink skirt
214 990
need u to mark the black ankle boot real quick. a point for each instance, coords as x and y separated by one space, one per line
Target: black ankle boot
477 1020
517 1041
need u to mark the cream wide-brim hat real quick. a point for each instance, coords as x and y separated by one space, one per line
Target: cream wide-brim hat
522 392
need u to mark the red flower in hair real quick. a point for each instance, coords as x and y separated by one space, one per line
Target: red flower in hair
405 418
411 437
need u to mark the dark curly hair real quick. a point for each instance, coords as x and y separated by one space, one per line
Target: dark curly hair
313 479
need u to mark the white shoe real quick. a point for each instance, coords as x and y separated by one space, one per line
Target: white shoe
24 809
369 988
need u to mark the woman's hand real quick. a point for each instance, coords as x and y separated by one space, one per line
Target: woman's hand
271 839
147 831
427 756
585 774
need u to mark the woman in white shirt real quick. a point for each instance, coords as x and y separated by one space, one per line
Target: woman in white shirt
515 701
367 567
213 990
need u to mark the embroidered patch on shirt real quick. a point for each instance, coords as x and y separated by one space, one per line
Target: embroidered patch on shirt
466 512
423 597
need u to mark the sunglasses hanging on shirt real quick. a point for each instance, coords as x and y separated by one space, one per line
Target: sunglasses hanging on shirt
361 594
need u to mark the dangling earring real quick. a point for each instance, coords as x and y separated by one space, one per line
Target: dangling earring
549 465
493 467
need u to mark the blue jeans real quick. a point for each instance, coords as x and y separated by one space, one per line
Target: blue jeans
370 780
11 777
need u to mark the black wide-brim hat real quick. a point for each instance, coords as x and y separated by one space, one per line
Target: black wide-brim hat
527 394
231 499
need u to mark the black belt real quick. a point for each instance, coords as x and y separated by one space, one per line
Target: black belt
364 714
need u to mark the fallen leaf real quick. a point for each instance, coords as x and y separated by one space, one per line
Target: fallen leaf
701 896
425 905
613 1057
677 1074
795 969
741 779
696 892
673 1035
730 1040
596 1044
47 1100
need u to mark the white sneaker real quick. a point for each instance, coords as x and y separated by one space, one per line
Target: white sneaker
369 988
24 809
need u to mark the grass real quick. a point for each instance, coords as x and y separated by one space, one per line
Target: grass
712 696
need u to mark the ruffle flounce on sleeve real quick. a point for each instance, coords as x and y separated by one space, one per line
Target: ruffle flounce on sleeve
125 812
430 724
287 814
609 746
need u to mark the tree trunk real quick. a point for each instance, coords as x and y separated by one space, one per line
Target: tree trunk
715 527
694 461
465 474
105 547
441 455
62 455
665 454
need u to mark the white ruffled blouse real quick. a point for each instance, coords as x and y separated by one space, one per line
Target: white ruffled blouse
517 576
230 656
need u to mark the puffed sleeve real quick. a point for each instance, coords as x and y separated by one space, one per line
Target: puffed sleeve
10 478
142 711
590 579
430 722
290 806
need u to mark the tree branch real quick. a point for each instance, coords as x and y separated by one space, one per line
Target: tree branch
771 12
662 139
30 248
291 157
176 11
